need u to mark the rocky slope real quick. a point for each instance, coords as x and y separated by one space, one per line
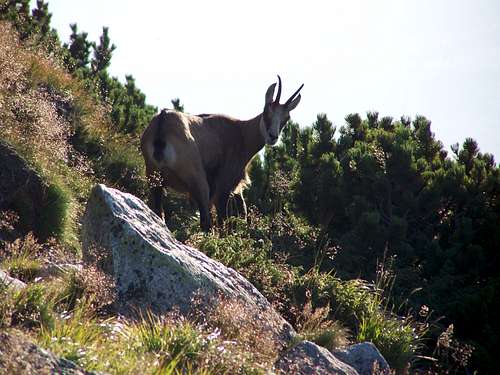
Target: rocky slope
154 271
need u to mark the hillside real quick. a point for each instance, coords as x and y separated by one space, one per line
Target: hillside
371 235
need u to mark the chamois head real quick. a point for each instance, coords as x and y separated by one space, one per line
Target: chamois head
276 115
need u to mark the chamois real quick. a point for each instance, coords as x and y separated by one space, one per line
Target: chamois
207 155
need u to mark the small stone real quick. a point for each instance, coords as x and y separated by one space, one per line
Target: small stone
11 282
307 358
18 355
365 358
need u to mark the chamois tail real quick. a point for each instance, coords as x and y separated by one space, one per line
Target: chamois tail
159 143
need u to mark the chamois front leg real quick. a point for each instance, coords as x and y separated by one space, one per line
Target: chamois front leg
237 205
221 201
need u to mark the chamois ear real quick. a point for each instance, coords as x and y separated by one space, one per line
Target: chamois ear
293 103
270 93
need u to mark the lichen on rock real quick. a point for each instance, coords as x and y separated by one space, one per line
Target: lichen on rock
152 269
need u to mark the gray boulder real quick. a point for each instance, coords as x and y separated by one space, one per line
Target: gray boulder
307 358
153 270
365 358
10 282
18 355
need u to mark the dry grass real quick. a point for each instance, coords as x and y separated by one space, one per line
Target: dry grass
89 283
32 124
314 324
227 338
69 315
246 334
38 99
29 117
8 222
42 108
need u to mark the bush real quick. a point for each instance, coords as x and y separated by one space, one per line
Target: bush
252 257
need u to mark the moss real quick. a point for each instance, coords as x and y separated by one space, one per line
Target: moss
24 209
53 220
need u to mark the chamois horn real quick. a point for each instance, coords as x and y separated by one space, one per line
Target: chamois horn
294 95
278 95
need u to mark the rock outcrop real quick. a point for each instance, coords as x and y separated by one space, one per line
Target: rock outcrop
307 358
18 355
153 270
23 190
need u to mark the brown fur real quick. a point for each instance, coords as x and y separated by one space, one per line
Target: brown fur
211 156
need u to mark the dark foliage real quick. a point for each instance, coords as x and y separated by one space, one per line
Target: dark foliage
387 189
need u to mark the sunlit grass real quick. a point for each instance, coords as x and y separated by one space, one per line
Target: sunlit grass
74 334
57 125
62 315
33 307
179 341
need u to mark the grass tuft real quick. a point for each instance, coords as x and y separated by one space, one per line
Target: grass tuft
398 338
177 341
21 258
316 325
32 307
74 335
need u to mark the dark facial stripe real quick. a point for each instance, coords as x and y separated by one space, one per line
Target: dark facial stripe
267 117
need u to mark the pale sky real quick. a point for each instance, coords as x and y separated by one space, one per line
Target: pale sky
437 58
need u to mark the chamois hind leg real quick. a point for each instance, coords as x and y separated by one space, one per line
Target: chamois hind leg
156 199
156 192
190 173
196 182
